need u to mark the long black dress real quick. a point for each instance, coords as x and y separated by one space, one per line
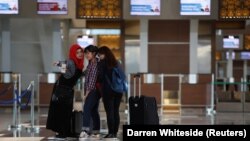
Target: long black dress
59 115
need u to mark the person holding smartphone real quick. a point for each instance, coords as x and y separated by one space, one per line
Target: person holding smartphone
61 104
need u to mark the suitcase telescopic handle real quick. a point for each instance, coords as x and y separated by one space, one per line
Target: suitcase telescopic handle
138 75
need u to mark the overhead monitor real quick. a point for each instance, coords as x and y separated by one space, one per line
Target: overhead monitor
245 55
56 7
9 7
145 7
231 42
195 7
84 41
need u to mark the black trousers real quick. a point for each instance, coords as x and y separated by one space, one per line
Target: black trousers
111 103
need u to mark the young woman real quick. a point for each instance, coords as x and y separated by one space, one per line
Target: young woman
92 97
111 99
61 103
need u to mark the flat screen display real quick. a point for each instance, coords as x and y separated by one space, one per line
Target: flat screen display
145 7
52 7
245 55
195 7
84 41
231 42
9 7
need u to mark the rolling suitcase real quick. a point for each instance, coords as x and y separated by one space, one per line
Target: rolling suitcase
76 123
77 118
142 109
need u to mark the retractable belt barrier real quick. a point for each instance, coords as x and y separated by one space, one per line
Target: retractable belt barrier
26 93
17 104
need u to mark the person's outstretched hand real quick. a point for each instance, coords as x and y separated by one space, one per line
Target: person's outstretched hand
55 63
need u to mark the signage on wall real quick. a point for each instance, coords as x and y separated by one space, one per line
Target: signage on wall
9 7
195 7
234 42
84 41
52 6
145 7
98 9
238 9
245 55
231 42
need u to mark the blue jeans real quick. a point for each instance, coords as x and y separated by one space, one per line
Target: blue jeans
90 112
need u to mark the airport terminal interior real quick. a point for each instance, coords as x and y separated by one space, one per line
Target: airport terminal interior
193 57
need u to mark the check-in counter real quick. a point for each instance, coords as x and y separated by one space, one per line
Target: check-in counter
7 80
229 96
46 83
196 92
247 102
175 92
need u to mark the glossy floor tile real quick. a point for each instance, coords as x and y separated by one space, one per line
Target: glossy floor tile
25 134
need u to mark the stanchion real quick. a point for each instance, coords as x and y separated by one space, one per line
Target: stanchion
38 93
32 127
15 125
128 96
19 100
162 95
211 110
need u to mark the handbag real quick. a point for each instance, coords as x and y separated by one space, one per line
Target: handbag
61 93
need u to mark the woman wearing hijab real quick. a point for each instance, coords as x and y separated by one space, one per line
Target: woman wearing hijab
61 104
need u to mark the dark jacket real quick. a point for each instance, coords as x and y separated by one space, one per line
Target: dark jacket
102 79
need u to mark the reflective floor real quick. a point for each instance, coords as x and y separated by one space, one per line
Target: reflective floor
23 133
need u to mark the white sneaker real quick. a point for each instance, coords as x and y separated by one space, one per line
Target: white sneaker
60 139
56 138
51 138
96 136
84 135
110 137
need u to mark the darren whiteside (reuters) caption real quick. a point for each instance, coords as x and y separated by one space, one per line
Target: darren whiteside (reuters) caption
199 132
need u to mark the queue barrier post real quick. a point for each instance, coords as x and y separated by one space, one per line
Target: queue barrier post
15 125
32 128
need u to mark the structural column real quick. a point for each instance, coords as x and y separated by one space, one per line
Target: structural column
193 60
57 47
245 70
230 64
144 45
6 46
65 34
